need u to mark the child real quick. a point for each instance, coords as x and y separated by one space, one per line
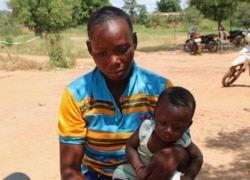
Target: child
172 117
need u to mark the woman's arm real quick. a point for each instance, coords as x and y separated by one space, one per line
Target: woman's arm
70 161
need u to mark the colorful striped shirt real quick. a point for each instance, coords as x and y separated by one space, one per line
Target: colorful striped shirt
89 115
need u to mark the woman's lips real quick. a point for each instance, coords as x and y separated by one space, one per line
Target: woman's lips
116 74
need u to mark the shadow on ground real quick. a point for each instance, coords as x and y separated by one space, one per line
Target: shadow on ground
149 49
238 141
240 85
178 47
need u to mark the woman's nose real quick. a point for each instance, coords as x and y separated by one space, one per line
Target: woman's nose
114 59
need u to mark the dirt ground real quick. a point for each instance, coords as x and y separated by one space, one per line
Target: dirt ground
29 103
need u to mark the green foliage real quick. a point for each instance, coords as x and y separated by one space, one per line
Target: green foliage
9 40
191 15
242 15
217 10
75 9
6 25
43 15
58 59
163 20
5 17
142 17
168 5
86 8
130 6
10 30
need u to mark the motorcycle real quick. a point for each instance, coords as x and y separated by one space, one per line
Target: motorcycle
209 42
238 66
236 37
193 43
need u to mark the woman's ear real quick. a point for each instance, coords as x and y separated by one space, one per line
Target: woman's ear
135 39
88 43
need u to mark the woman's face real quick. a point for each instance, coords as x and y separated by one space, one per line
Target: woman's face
171 121
112 47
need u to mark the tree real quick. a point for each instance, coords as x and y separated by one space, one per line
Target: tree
217 10
41 15
242 15
142 17
87 7
192 16
137 12
168 5
130 7
45 16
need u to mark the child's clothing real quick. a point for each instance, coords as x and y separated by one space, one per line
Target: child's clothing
147 127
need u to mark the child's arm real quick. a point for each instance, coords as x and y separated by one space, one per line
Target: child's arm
132 154
196 161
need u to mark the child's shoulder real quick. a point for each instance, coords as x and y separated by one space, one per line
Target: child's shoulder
147 123
185 140
146 129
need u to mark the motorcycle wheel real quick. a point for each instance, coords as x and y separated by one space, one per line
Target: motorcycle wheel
232 75
238 41
187 47
212 46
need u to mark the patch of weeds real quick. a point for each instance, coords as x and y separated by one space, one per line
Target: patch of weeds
248 168
22 64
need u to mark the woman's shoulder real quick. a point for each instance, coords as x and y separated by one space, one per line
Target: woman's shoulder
81 80
148 72
81 87
152 78
153 75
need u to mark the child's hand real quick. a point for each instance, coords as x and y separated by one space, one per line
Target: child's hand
140 174
183 177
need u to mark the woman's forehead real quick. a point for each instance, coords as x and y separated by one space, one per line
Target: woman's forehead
112 25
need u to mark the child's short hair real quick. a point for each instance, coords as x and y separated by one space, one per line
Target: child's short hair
179 97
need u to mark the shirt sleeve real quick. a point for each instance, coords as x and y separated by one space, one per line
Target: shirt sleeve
185 141
71 125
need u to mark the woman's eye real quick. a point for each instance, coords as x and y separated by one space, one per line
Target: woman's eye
122 50
100 54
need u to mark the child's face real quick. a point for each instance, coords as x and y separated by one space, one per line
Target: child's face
112 47
171 122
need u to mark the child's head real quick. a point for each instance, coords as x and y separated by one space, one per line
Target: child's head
173 113
111 42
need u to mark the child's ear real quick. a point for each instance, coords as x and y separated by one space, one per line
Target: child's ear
88 43
135 39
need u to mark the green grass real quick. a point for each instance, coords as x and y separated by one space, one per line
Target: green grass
74 40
